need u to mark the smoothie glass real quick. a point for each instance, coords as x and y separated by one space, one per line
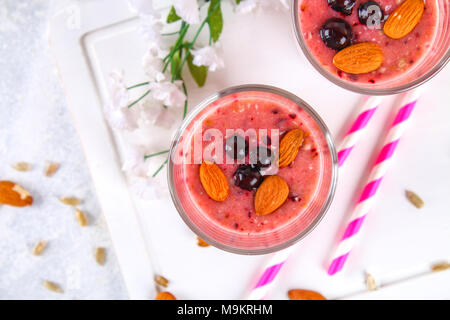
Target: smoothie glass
431 62
181 175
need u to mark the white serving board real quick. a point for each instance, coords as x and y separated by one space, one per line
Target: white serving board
150 237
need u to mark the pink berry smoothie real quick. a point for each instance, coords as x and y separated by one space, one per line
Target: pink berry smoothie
307 177
400 56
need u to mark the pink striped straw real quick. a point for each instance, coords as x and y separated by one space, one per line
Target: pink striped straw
278 259
352 136
378 171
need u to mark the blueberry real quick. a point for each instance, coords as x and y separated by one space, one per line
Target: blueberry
370 13
342 6
247 177
261 156
236 147
336 33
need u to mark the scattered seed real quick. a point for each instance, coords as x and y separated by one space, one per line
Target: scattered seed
442 266
21 166
51 169
162 281
39 248
81 217
202 243
100 256
414 199
165 296
52 286
370 282
70 201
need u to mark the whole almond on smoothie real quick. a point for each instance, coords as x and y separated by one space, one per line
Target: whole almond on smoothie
404 19
299 294
359 58
289 146
14 195
214 181
270 195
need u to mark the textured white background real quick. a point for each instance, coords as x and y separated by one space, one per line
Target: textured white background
35 126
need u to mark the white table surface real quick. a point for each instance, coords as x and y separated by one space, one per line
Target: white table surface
35 126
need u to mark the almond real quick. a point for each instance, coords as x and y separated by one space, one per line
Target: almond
14 195
404 19
214 181
298 294
271 194
359 58
289 146
165 296
202 243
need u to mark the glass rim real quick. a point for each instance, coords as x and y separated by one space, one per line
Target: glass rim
350 86
259 88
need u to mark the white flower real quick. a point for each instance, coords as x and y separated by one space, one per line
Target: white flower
187 10
152 113
247 6
116 110
143 7
153 65
121 118
118 93
148 188
168 92
135 162
150 29
209 56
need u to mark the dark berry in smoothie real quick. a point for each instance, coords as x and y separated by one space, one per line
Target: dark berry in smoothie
342 6
261 156
336 33
372 10
247 177
236 147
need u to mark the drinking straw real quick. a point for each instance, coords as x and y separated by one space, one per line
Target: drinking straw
277 260
352 136
377 173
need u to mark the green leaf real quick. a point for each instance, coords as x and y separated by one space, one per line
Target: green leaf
215 20
199 73
172 16
238 1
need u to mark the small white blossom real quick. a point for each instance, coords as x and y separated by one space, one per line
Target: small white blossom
167 92
153 113
187 10
153 65
148 188
209 56
135 162
143 7
121 118
116 110
247 6
151 29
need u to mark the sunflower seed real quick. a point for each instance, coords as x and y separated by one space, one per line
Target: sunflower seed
414 199
100 256
51 169
21 166
39 248
81 217
70 201
52 286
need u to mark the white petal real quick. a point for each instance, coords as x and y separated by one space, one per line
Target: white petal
121 118
247 6
167 92
153 65
118 93
209 56
187 10
135 162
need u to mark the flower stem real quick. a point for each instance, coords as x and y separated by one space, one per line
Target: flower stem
156 154
170 33
139 85
139 99
185 101
160 168
191 44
